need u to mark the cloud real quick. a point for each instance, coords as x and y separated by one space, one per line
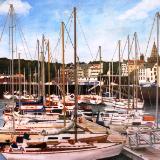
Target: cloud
21 7
141 10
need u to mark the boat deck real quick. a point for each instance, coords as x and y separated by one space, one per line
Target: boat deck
91 127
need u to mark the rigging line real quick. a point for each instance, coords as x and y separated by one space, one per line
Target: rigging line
58 41
84 36
16 20
97 54
115 51
69 31
22 35
23 45
138 45
68 35
35 53
70 17
25 42
150 36
15 43
113 57
4 26
130 49
124 48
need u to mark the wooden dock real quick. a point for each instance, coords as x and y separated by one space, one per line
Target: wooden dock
148 153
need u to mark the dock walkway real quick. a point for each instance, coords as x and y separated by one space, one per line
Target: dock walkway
148 153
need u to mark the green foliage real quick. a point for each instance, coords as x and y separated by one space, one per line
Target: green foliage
32 66
28 66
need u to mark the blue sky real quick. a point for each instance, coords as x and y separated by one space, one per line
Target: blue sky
104 22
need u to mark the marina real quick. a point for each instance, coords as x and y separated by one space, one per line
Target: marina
61 104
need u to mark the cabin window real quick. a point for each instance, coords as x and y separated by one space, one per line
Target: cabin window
52 137
65 137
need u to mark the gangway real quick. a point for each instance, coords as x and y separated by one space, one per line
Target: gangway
141 139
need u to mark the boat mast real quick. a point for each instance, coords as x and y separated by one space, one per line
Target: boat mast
63 74
128 39
100 93
30 81
19 65
24 87
109 79
43 69
12 62
136 74
157 93
75 74
49 87
119 44
112 78
12 46
35 81
38 70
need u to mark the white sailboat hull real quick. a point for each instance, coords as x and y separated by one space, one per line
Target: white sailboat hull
102 151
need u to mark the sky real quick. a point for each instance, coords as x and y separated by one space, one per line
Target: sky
99 23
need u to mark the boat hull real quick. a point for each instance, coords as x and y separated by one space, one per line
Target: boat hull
89 154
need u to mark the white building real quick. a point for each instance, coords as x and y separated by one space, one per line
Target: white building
148 74
124 67
94 70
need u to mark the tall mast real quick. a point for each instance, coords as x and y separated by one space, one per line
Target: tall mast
157 93
63 68
24 88
136 75
128 39
49 70
43 70
112 77
19 70
109 79
75 73
38 79
30 81
35 81
12 63
119 42
100 71
12 46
